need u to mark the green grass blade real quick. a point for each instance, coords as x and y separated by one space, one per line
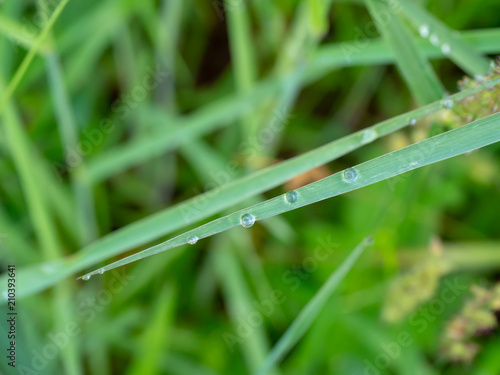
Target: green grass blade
239 302
338 55
475 135
42 222
156 334
21 71
166 138
218 114
309 313
13 30
68 131
413 65
463 54
34 278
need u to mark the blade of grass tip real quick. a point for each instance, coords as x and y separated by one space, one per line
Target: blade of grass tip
33 279
308 314
19 74
460 52
458 141
413 65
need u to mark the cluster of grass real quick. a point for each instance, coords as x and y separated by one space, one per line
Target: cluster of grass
126 123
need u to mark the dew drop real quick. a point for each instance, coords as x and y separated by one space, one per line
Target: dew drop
434 39
101 271
86 277
291 197
350 175
447 103
424 31
446 49
369 135
247 220
192 240
413 121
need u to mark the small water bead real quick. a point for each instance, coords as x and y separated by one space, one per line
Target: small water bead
247 220
192 240
424 31
101 271
446 49
434 39
350 175
413 121
369 135
291 197
86 277
448 103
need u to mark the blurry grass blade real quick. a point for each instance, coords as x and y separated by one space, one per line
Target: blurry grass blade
444 146
463 54
68 131
309 313
338 55
218 114
155 336
18 76
42 222
243 57
14 31
239 301
34 278
411 62
202 122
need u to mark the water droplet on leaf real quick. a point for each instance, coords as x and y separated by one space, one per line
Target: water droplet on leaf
446 49
350 175
86 277
424 31
291 197
369 135
434 40
247 220
192 240
448 103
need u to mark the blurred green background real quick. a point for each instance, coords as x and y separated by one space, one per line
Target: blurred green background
130 107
